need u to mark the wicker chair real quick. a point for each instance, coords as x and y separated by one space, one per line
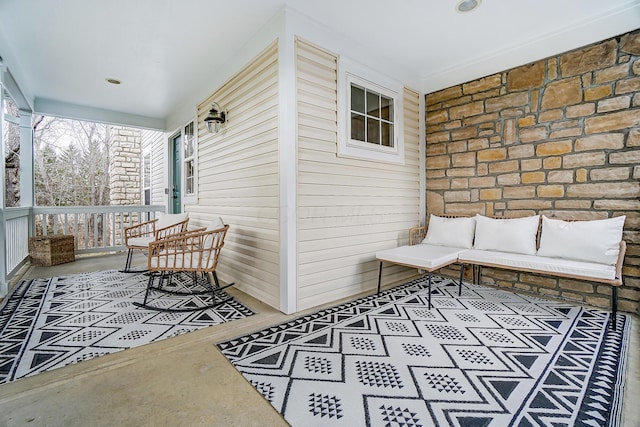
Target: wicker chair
193 255
139 236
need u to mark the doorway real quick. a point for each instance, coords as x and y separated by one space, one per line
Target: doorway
176 175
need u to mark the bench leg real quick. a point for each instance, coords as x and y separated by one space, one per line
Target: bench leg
614 306
379 276
460 283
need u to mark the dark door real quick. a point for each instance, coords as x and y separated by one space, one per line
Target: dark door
176 181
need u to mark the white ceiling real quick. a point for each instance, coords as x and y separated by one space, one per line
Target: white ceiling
166 51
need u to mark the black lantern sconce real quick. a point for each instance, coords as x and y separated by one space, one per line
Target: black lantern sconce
215 119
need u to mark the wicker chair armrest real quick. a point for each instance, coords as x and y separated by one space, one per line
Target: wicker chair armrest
174 237
147 228
179 239
191 250
175 243
417 235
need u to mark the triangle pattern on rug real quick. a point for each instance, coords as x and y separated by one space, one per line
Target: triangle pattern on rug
49 323
487 358
504 388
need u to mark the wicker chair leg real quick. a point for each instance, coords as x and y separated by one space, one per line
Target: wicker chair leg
160 280
127 265
429 279
149 286
217 282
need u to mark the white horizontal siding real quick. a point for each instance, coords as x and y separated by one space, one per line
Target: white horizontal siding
238 177
347 208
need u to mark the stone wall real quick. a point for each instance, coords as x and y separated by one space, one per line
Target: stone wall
559 137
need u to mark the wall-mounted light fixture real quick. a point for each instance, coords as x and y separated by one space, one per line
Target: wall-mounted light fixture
215 119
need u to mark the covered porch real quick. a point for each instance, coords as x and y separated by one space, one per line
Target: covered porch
545 125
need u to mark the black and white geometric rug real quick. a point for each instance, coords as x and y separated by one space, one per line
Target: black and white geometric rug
49 323
487 358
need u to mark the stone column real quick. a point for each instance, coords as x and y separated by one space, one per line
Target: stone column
125 172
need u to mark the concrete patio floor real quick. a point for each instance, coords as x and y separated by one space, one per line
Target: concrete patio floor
180 381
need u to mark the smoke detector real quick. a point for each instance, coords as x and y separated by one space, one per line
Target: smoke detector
467 5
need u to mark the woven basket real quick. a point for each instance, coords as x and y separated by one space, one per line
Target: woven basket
51 250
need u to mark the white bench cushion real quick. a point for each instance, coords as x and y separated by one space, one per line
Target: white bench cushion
428 257
141 242
539 264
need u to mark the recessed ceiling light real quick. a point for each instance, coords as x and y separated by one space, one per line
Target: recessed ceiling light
113 81
467 5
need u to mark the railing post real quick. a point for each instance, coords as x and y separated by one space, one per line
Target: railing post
4 278
4 285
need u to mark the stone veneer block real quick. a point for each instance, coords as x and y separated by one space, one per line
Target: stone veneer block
572 161
630 43
611 74
628 86
596 93
467 110
588 59
482 84
581 110
436 117
610 174
492 154
609 141
554 148
597 190
527 76
507 101
612 121
562 93
443 95
632 157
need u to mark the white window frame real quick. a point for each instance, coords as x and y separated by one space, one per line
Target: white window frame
189 198
147 153
352 72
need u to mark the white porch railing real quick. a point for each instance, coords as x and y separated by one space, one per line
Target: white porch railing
95 229
16 238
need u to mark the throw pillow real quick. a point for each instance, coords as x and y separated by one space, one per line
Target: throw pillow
215 224
453 232
593 241
515 235
165 220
